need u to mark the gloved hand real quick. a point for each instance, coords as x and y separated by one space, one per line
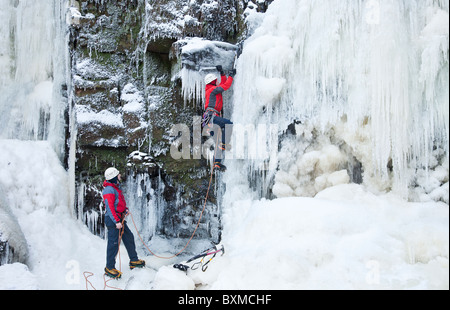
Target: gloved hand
233 73
220 69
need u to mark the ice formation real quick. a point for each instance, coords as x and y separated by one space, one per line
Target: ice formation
13 245
33 66
344 83
370 77
32 83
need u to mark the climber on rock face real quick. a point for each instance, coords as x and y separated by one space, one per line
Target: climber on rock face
212 116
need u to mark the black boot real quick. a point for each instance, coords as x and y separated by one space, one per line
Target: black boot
220 167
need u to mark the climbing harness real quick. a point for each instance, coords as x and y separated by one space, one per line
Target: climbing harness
208 119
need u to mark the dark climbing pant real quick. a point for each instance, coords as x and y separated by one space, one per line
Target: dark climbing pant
226 128
113 244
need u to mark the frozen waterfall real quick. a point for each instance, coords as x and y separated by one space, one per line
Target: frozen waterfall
32 70
361 81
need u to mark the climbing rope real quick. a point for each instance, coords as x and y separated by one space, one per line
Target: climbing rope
88 274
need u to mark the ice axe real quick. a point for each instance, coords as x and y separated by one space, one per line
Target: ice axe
208 69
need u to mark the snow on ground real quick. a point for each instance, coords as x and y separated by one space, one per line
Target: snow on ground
345 238
330 242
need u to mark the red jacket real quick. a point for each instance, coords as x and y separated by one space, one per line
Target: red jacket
213 93
114 201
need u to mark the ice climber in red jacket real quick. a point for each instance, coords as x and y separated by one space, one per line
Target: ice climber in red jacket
116 209
213 113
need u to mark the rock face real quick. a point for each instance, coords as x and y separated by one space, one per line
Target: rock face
127 72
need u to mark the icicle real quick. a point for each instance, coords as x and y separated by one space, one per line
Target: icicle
32 68
193 86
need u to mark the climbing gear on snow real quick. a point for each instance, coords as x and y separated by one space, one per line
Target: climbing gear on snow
211 251
137 264
181 267
202 256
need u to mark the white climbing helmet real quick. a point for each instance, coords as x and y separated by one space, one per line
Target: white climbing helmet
111 173
209 78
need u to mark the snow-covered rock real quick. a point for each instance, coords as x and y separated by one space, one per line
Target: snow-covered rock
13 245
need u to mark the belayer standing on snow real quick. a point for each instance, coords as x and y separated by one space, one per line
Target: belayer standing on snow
213 111
116 209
